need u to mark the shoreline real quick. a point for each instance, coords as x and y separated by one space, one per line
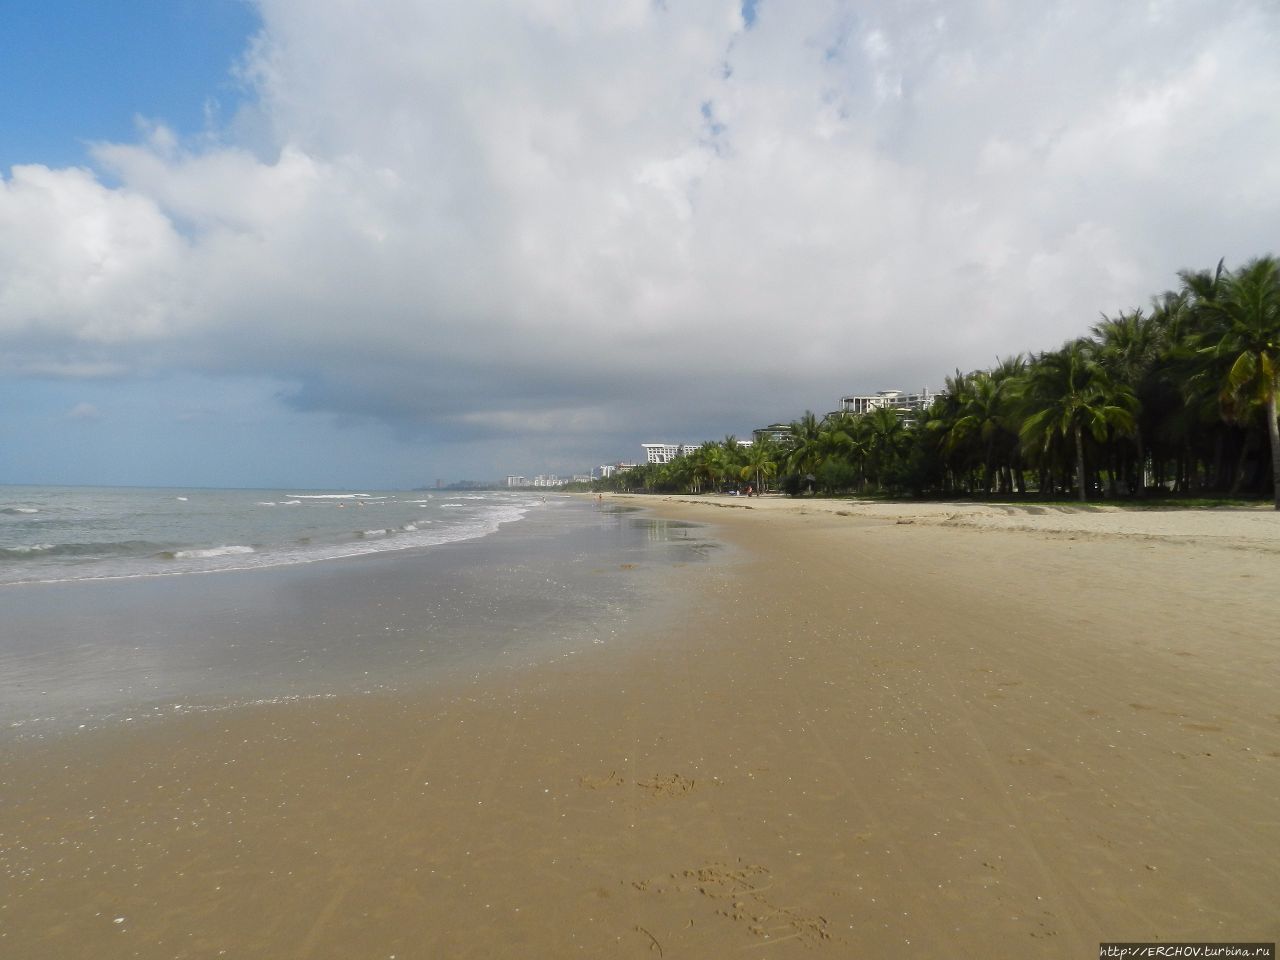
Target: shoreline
864 737
84 653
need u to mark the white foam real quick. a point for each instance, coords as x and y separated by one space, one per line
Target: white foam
227 551
33 548
266 503
183 499
425 533
334 496
21 510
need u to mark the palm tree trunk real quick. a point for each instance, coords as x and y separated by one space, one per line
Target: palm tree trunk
1273 432
1080 460
1238 480
1140 487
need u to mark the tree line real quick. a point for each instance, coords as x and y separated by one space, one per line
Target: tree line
1179 397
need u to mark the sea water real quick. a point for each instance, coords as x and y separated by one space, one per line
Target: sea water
80 533
150 603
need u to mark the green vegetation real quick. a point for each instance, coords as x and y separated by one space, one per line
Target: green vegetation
1177 403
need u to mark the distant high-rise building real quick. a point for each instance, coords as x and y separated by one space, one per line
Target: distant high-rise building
666 452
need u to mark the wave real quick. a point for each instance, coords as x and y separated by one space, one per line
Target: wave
207 552
334 496
38 561
17 511
119 548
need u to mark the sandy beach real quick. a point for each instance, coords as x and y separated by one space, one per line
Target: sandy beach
876 730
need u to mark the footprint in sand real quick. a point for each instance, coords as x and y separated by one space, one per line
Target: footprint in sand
739 895
672 786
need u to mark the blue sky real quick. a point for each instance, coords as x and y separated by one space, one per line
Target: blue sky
388 243
76 72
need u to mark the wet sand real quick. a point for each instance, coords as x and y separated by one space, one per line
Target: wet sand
866 738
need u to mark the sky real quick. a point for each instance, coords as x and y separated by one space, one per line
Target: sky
328 244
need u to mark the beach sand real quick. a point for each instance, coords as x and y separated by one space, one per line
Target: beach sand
880 731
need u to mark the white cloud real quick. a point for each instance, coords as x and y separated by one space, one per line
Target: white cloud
84 411
482 218
83 263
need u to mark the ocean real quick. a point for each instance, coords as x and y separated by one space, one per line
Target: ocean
83 533
130 605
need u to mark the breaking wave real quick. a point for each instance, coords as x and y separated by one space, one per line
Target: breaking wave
208 552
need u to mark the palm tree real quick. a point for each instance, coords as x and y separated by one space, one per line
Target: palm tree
1178 401
733 451
679 473
1067 393
1248 309
805 444
761 461
887 437
1128 348
1011 372
984 415
708 465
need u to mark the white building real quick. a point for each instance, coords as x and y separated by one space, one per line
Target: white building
609 469
777 432
890 399
666 452
514 481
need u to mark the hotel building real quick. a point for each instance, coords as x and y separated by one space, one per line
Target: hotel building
890 399
666 452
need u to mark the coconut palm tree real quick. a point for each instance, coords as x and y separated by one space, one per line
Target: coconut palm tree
761 462
952 446
1068 393
1247 309
708 466
679 473
886 441
1129 346
805 444
983 417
